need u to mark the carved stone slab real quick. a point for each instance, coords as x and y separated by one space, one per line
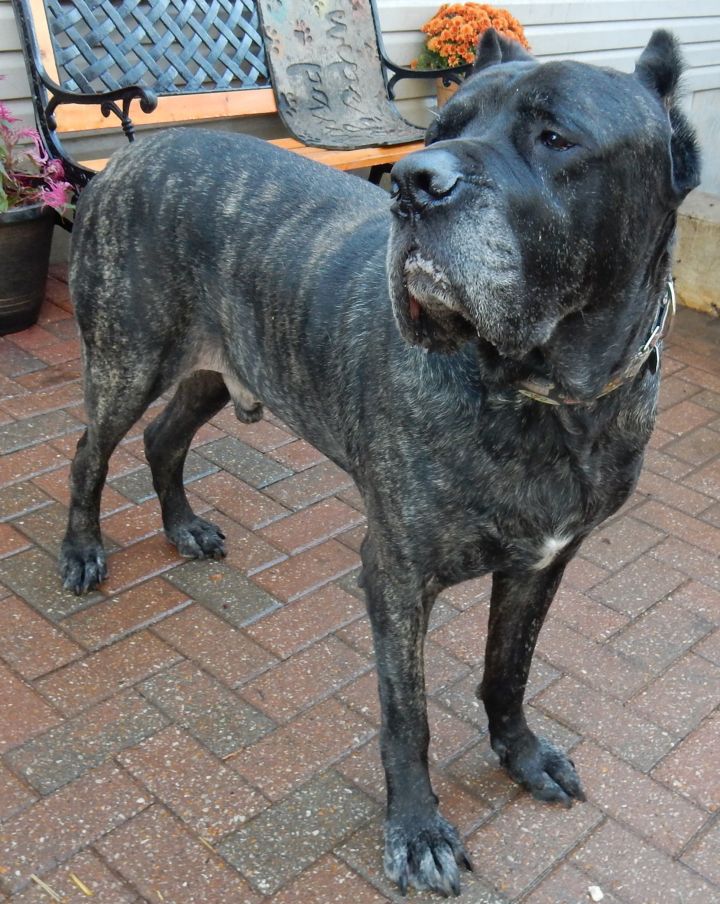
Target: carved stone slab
326 73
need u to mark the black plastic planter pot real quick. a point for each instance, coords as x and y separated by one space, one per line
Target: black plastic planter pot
25 237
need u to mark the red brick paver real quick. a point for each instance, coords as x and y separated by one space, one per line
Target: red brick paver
208 732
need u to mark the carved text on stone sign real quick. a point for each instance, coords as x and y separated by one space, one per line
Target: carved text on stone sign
343 72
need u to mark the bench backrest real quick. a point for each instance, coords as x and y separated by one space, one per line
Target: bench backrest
204 59
97 64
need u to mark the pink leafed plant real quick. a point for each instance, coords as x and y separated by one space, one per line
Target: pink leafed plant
27 174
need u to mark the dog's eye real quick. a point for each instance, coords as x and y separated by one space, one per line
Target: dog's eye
555 141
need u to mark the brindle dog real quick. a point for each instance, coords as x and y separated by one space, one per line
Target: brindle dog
479 351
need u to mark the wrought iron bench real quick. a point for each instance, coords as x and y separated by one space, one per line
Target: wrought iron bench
187 61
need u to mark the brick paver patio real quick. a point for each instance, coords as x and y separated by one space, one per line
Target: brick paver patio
207 731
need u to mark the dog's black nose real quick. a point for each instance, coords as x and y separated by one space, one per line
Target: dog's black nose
423 179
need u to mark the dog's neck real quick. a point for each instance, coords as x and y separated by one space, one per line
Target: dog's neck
590 359
549 393
605 346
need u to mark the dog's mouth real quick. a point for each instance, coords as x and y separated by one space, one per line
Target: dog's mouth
437 326
438 318
434 311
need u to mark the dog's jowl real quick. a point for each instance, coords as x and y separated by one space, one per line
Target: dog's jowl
479 350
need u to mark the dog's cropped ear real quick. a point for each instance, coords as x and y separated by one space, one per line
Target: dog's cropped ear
660 65
494 48
659 69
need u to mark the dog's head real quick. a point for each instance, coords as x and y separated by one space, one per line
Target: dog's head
545 191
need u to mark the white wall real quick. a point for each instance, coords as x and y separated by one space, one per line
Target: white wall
604 32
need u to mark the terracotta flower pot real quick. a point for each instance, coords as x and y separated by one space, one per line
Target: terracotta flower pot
443 92
25 237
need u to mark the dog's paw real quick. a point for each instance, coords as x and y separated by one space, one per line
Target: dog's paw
198 539
251 414
541 767
425 855
82 568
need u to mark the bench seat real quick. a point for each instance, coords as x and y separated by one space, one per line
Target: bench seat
358 158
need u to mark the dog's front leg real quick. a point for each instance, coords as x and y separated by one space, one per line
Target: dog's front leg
422 849
518 607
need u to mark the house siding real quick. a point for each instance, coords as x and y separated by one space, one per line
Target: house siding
607 33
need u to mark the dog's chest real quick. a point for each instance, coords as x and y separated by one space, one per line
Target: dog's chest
521 511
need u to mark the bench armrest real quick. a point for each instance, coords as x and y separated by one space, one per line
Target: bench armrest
108 101
454 74
116 102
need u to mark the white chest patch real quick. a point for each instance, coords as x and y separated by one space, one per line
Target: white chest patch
550 548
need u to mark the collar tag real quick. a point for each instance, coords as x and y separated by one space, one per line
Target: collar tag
663 321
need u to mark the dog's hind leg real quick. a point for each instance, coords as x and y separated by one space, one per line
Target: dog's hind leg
167 440
518 607
422 849
115 398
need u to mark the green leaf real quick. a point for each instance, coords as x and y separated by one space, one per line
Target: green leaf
429 59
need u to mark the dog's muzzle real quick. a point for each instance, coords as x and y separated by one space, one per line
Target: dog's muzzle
422 183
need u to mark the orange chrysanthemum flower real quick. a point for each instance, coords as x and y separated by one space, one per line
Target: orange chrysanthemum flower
454 32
